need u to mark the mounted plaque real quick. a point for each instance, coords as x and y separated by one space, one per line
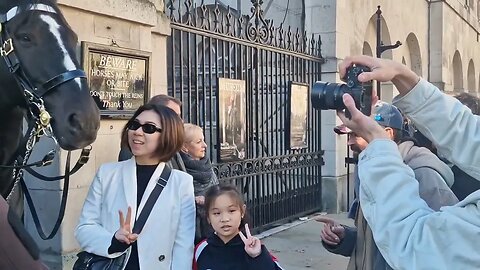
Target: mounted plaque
297 116
118 78
232 114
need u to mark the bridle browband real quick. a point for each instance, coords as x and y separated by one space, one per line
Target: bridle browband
38 118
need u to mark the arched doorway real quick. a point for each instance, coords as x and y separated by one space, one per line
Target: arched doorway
457 72
387 90
370 36
471 76
367 49
415 55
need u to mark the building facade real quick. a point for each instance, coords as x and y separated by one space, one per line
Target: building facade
440 43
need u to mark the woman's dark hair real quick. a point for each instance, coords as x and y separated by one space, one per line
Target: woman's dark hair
217 190
171 136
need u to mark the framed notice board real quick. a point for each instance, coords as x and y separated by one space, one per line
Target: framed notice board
118 78
232 119
297 116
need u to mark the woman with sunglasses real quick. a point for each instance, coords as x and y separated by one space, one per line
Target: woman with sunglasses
119 192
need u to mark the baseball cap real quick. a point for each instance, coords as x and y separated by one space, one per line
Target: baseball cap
388 115
342 129
385 114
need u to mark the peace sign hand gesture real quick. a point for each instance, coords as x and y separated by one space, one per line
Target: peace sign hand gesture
253 246
124 234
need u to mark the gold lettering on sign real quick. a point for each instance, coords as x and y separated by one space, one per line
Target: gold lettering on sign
107 61
117 81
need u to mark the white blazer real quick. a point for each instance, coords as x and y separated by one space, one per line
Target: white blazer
166 241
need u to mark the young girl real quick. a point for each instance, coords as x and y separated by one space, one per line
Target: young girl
228 248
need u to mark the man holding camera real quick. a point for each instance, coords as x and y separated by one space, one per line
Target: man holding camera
432 175
408 233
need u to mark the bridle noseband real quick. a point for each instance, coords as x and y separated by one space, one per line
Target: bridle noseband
38 118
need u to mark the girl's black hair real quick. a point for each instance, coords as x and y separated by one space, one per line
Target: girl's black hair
215 191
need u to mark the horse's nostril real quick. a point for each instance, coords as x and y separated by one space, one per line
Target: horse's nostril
74 122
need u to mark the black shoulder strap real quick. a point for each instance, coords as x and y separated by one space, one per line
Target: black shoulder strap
161 183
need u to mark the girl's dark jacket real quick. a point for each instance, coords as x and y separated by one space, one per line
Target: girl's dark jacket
213 254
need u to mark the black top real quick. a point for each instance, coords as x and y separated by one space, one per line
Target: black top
231 256
144 173
464 184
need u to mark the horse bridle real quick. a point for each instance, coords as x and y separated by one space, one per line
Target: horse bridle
38 119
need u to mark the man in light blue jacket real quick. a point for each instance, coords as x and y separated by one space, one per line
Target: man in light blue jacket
408 233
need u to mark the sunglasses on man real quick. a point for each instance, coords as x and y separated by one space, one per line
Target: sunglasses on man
147 127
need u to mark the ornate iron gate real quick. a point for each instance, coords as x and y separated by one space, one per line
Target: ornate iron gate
213 41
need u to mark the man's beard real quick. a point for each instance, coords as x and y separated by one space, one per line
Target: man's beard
355 149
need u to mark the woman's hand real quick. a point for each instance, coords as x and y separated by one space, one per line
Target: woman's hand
200 200
253 246
124 234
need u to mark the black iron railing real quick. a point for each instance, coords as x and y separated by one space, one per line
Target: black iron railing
213 41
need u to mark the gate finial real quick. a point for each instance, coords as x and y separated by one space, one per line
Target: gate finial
261 30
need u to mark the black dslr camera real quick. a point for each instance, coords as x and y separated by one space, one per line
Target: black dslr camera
328 96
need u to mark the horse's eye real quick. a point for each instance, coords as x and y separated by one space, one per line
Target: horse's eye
24 38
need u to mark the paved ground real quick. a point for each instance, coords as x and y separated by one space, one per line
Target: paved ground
299 247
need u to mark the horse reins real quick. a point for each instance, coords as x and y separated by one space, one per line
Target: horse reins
38 120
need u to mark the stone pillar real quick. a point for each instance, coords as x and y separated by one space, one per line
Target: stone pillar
321 20
435 73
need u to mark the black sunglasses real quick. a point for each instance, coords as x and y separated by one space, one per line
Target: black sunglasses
147 127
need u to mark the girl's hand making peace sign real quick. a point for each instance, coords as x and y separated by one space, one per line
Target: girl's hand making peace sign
124 234
253 246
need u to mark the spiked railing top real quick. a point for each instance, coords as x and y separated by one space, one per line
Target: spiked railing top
224 20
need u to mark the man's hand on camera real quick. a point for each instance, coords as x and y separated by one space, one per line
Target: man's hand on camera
362 125
382 70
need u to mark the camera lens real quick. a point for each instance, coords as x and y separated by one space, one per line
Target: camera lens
328 96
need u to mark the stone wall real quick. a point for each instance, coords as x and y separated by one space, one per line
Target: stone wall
433 33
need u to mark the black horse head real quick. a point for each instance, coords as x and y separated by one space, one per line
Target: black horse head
38 54
45 46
